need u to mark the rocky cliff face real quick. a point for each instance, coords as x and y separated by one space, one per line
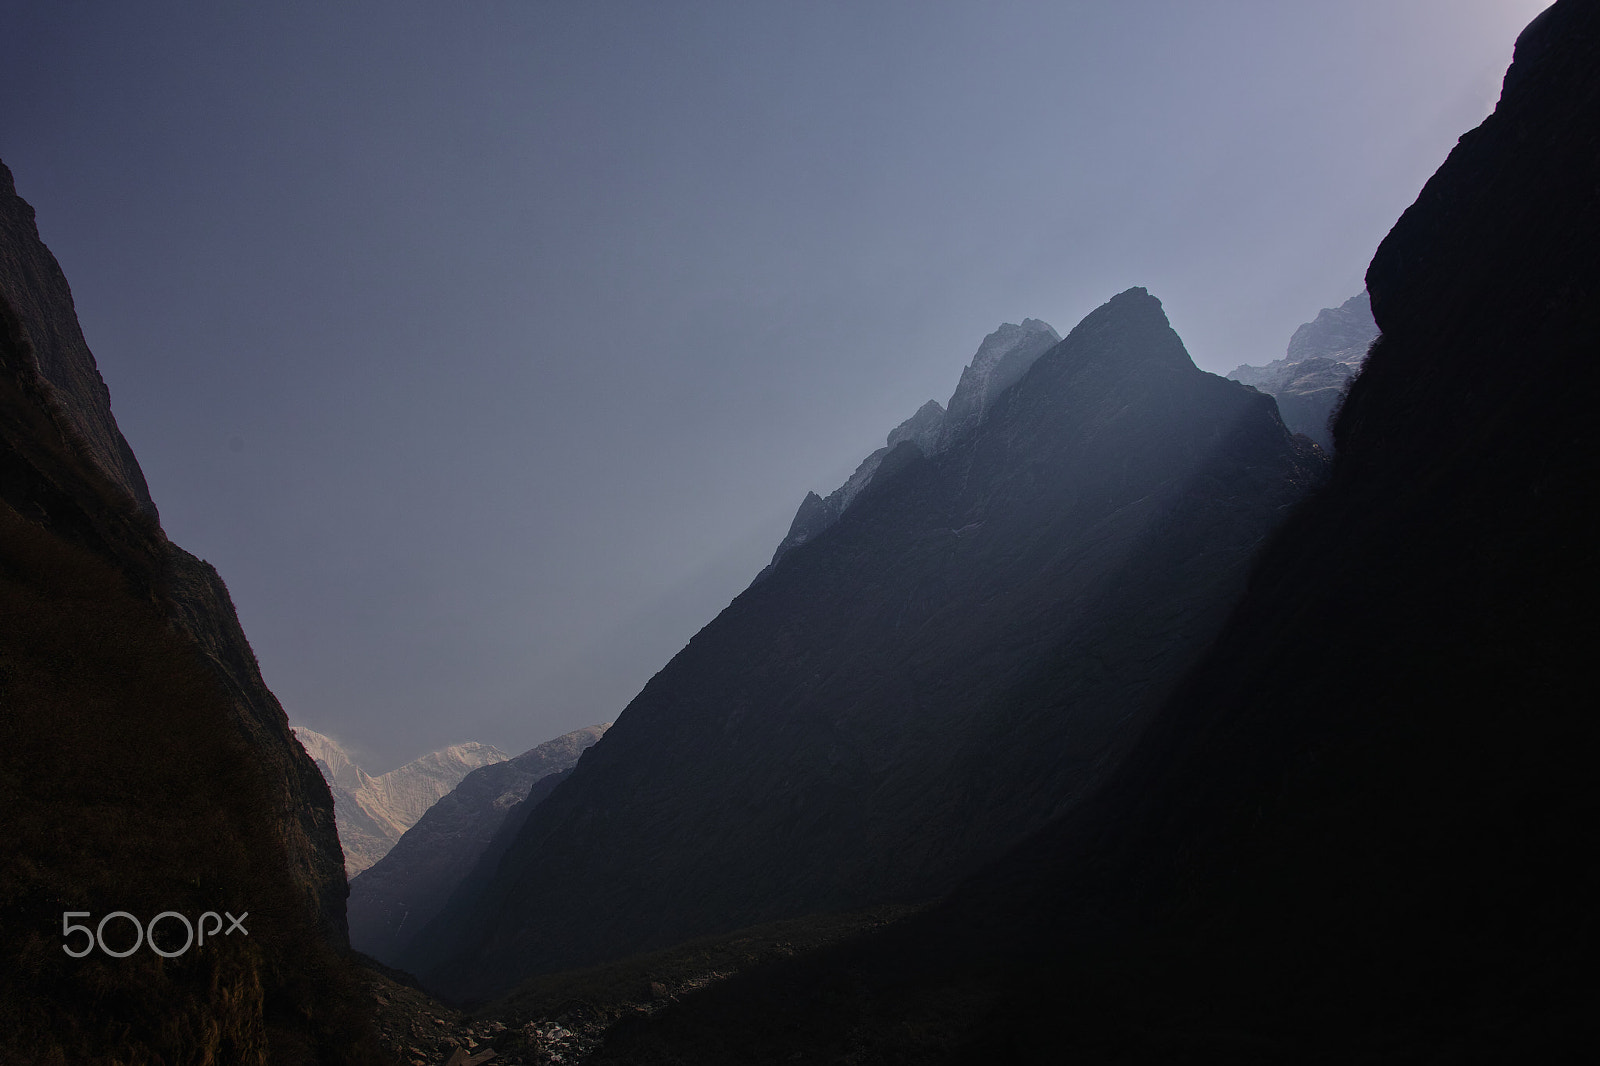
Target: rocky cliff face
373 813
1361 830
1003 357
32 281
969 647
1324 356
144 767
407 887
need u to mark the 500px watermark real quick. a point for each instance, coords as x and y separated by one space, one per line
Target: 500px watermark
146 934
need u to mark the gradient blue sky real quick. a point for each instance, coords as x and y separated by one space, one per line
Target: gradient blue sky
487 348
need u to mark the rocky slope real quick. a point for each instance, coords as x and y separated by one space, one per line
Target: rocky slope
403 890
1001 360
1361 830
970 647
32 281
1324 356
373 813
144 766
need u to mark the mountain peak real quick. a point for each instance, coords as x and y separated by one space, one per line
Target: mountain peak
1324 355
1002 359
1131 328
922 428
1129 305
874 684
1340 333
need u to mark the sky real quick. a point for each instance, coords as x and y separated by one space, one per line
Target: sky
487 349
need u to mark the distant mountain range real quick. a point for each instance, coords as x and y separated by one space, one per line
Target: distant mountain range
960 650
1324 356
373 812
401 892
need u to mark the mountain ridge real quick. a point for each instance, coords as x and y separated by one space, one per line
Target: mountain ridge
850 707
404 889
1001 360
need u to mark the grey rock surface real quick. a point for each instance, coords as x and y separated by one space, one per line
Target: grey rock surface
1324 356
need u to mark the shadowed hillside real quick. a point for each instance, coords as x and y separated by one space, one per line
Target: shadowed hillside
1362 830
396 897
144 767
967 649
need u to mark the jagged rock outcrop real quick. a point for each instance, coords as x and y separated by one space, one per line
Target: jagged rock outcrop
374 812
1003 357
1324 356
144 766
970 647
403 890
1362 830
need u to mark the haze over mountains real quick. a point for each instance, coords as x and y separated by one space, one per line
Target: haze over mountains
1198 742
969 647
374 812
392 901
1361 829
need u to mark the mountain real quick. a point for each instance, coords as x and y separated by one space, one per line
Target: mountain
144 765
1324 356
374 812
405 888
1362 828
1003 357
971 646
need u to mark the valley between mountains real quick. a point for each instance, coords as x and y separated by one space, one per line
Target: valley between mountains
1112 711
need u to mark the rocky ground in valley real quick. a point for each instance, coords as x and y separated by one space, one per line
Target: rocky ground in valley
421 1031
564 1018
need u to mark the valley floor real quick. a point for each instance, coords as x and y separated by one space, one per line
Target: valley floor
564 1018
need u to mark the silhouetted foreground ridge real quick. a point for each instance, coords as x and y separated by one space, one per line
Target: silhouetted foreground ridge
1363 829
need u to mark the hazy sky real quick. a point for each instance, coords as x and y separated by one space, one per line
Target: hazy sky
487 348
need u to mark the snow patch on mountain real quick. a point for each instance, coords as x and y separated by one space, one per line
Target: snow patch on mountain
1323 356
374 811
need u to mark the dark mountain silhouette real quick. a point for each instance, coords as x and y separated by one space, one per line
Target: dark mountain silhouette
1324 356
145 765
1362 829
969 648
399 894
